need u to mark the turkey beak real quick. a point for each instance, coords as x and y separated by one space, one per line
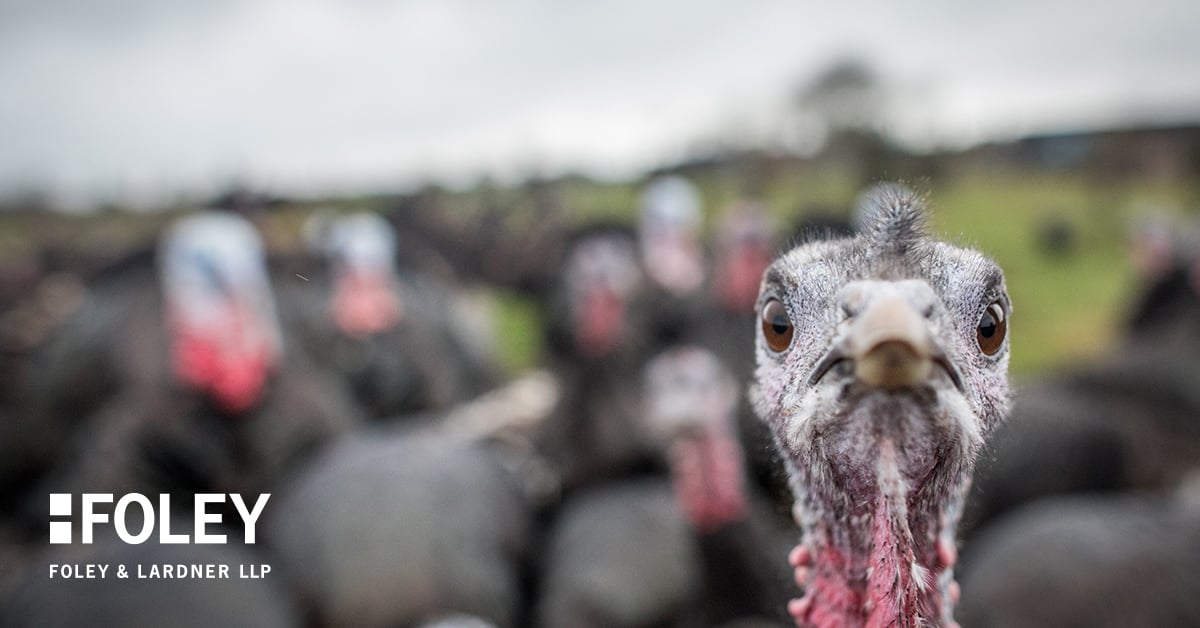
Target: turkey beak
890 345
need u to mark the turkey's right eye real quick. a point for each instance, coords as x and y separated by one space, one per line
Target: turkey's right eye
776 326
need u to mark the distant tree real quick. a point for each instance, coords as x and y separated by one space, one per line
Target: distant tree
848 102
846 96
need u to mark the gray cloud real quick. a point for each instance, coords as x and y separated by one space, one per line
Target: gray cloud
143 97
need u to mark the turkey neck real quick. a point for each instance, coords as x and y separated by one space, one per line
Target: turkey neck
886 562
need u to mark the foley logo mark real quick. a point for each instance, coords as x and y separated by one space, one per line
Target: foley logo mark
61 532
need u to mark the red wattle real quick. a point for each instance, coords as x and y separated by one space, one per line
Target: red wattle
737 278
707 472
601 320
229 362
239 385
876 588
365 304
833 599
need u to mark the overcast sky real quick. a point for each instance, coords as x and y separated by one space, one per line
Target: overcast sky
142 99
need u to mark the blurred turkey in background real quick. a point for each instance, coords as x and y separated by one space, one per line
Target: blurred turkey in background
471 291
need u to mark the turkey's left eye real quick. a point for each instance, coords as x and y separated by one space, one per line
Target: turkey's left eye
993 326
776 326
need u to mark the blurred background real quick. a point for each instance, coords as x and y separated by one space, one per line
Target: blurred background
469 228
122 114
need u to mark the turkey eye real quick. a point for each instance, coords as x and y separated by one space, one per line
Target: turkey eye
992 327
776 326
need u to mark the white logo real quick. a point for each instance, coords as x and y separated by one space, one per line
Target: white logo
61 505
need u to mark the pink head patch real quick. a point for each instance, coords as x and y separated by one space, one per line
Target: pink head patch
365 303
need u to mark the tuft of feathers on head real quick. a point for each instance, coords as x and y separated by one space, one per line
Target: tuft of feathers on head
891 219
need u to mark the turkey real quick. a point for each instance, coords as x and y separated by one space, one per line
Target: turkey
882 367
615 511
695 550
669 229
745 245
1096 561
204 396
393 337
691 413
1126 422
618 555
597 348
419 521
669 307
399 528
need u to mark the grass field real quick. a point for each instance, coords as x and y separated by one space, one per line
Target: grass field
1066 308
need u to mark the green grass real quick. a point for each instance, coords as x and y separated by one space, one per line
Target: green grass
1064 309
518 326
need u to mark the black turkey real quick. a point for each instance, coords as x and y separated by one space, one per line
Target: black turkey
1095 561
394 337
202 394
696 548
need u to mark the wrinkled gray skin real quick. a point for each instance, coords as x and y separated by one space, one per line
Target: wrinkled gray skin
837 433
